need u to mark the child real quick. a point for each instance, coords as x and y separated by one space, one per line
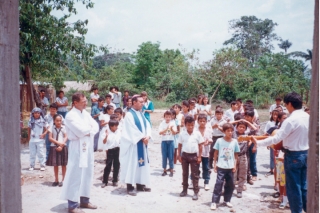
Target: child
125 98
111 145
36 135
205 107
242 162
178 119
189 153
206 133
167 130
233 110
97 109
108 101
216 123
226 153
104 120
192 108
185 110
119 112
58 155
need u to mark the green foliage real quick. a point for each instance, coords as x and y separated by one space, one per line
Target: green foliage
285 45
171 97
252 36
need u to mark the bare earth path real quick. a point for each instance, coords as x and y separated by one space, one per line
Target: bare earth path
38 196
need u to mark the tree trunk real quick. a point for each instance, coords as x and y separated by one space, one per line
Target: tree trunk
313 154
215 92
10 165
29 86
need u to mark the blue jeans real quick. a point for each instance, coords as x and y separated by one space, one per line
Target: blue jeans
295 166
73 205
253 162
223 175
271 159
167 150
205 170
62 113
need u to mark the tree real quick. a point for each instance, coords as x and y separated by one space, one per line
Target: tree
224 69
307 56
285 45
47 41
252 36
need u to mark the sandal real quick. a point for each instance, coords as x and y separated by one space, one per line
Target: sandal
269 173
282 206
276 195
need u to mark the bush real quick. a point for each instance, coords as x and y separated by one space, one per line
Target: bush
171 97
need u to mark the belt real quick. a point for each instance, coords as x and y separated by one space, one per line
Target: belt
287 151
185 153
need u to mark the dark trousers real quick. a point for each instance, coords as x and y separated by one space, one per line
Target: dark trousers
214 140
227 176
190 159
73 205
48 144
295 166
253 162
205 170
112 159
139 187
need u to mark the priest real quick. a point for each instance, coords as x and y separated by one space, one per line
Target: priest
80 128
134 159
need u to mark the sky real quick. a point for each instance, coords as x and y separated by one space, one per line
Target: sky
199 24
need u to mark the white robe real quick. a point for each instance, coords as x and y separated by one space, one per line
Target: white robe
78 181
131 173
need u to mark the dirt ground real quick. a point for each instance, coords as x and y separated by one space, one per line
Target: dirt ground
38 196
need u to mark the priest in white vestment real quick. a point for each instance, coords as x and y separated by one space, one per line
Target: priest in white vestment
134 159
81 128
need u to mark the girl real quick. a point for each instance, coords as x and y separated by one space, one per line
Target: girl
176 136
272 123
104 120
199 102
205 107
147 106
58 155
36 134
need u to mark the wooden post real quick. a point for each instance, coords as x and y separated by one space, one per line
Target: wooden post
10 166
313 155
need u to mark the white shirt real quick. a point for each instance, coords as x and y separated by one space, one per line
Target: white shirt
55 131
273 107
113 140
293 132
256 113
230 114
95 96
112 104
207 135
167 136
62 101
215 131
49 121
191 142
116 98
269 125
193 112
105 117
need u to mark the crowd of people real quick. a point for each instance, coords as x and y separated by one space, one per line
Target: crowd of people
221 141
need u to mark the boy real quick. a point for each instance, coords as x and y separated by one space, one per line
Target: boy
233 110
119 112
192 108
216 123
206 132
252 130
108 101
190 147
95 113
242 162
111 143
226 153
167 130
240 106
277 104
116 99
125 98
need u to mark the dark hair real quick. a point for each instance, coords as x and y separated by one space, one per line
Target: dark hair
202 116
218 111
111 88
242 123
42 90
278 99
100 99
238 116
188 119
53 105
249 113
192 100
135 98
280 115
239 100
57 115
168 112
107 108
76 97
116 88
233 103
218 106
306 109
295 100
114 116
204 97
227 126
176 105
273 111
249 101
118 110
94 88
174 114
126 91
143 93
186 103
60 92
200 97
108 96
113 122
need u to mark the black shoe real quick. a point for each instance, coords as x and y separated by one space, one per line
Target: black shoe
195 196
115 184
144 189
164 173
183 193
55 183
132 193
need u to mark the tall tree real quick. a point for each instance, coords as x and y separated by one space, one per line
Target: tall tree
253 36
285 45
305 55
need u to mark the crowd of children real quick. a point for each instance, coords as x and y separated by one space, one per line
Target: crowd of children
191 133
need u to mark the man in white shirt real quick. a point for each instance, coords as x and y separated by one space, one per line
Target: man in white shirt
116 96
94 96
81 128
274 106
294 136
233 110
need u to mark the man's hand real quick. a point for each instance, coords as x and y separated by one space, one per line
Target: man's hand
199 160
215 126
145 140
234 169
215 169
42 136
179 158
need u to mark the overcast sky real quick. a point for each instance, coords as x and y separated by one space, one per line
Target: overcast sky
198 24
